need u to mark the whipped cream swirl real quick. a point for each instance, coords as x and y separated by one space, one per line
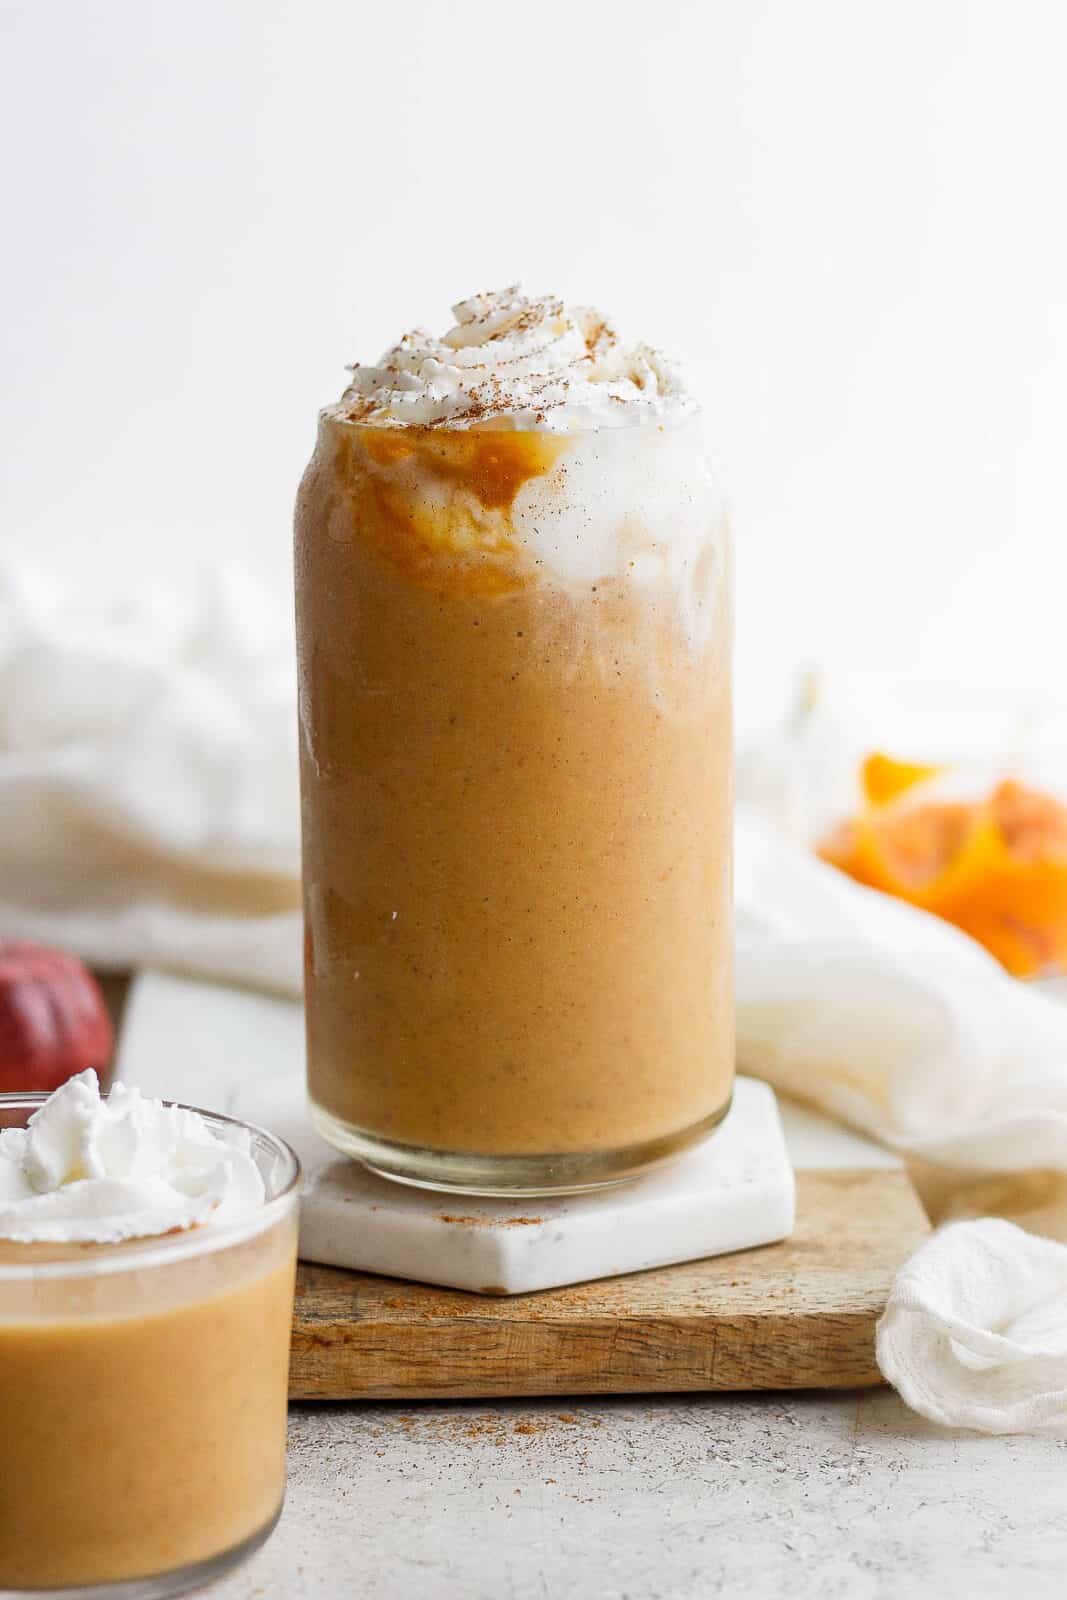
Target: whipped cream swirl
91 1170
511 361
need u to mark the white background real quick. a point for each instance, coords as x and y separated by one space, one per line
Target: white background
847 216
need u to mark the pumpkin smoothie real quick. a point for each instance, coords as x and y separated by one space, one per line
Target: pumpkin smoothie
513 605
147 1257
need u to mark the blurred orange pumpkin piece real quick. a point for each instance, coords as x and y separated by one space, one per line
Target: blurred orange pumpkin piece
884 778
997 867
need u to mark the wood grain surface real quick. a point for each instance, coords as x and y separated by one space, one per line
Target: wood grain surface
787 1316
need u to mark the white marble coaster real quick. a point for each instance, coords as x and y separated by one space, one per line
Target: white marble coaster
733 1192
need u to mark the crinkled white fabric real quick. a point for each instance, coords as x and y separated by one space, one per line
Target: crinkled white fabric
147 777
904 1027
975 1331
890 1019
901 1025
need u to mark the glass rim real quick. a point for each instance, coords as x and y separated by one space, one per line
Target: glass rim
89 1258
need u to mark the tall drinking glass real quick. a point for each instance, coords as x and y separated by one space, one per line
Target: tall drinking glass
515 737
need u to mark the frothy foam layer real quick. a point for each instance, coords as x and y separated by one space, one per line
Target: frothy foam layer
490 513
91 1170
511 361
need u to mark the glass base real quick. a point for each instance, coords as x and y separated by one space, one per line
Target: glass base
503 1176
164 1585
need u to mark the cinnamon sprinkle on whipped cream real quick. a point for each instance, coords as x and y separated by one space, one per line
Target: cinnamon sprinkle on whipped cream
515 362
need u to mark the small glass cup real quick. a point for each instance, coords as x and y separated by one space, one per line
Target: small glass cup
143 1392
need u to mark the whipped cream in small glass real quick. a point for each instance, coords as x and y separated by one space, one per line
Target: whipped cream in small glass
93 1169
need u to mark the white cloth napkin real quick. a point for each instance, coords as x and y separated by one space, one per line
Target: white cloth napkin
975 1331
904 1027
890 1019
148 806
149 817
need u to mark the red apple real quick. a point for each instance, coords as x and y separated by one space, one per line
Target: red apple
53 1020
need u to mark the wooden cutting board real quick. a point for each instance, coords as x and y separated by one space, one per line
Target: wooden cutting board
795 1315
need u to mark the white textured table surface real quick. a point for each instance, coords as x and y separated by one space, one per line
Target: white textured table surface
750 1497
